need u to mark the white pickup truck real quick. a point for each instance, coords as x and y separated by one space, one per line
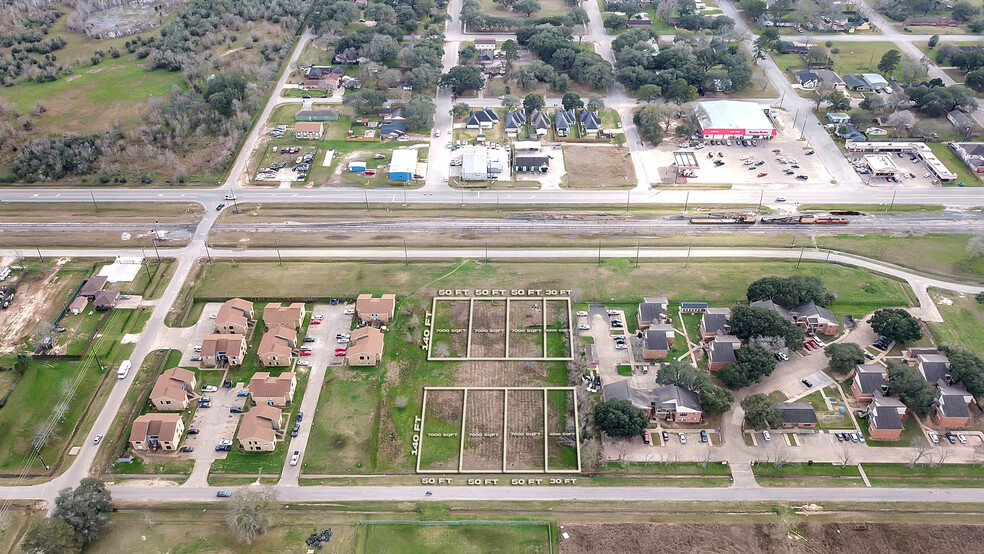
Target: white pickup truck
124 369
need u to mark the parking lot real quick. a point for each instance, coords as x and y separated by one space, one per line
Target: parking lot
608 356
216 423
913 171
190 338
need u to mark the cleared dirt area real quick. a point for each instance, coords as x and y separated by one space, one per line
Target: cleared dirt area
808 537
524 430
441 440
525 329
499 374
483 430
488 329
598 167
34 301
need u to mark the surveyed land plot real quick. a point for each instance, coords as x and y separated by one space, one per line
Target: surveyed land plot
500 328
499 430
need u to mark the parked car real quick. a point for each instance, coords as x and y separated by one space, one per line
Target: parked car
666 437
343 340
210 388
227 383
223 494
683 438
195 358
349 311
807 382
854 437
343 336
295 457
242 393
295 430
612 312
767 436
303 363
934 438
703 435
193 431
951 437
223 448
235 410
204 404
583 327
186 449
339 353
305 352
869 355
300 415
840 437
763 174
961 438
582 313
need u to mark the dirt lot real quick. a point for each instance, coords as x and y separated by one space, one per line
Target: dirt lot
598 167
525 329
33 302
524 431
443 415
488 329
808 537
483 430
499 374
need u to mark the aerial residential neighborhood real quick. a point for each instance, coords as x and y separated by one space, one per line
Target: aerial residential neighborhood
471 276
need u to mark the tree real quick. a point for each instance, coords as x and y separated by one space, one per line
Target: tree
595 102
764 42
975 80
821 93
529 7
714 399
615 21
816 54
510 51
467 53
910 388
51 536
364 100
844 356
873 102
388 78
380 13
790 291
896 324
975 246
250 512
753 8
649 92
761 412
619 419
966 368
648 121
86 508
838 101
889 61
462 78
681 374
381 48
901 120
571 101
533 102
560 83
749 321
460 110
965 10
420 113
753 363
680 91
510 102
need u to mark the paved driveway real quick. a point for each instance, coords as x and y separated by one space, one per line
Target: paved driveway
186 339
215 424
334 322
608 356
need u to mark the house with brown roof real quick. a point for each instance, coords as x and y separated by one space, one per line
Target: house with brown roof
235 316
278 315
92 285
78 305
221 350
277 347
260 429
105 300
365 347
370 310
172 389
272 391
152 432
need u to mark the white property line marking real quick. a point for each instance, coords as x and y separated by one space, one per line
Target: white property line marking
464 413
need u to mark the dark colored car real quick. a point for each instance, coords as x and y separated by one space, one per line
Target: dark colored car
951 437
807 383
296 430
703 435
308 339
193 431
666 437
186 449
223 494
223 448
227 383
219 207
300 416
235 410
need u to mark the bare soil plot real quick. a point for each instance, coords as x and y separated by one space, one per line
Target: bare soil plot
499 374
440 441
598 167
524 430
557 315
525 329
483 430
561 431
40 295
488 339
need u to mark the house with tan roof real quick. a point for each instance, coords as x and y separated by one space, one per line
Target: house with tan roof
234 317
272 391
278 315
277 347
260 429
365 347
78 305
151 432
172 389
221 350
370 310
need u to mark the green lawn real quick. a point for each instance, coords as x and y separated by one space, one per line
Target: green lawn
549 8
343 427
456 538
873 208
678 468
912 432
803 474
862 57
934 254
949 475
954 164
963 321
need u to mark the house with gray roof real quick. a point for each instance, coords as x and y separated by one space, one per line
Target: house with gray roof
482 119
868 380
950 409
540 121
669 402
654 345
934 367
855 82
590 123
515 119
772 306
717 321
651 310
721 352
798 414
815 319
564 120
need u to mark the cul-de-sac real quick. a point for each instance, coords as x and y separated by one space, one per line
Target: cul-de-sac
469 276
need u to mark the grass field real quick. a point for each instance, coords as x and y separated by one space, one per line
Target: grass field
949 475
935 254
963 320
549 8
873 208
801 474
452 538
862 57
343 424
598 167
954 164
165 212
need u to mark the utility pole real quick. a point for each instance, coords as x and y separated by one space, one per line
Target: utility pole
637 254
46 466
154 240
689 248
276 244
802 249
144 264
824 268
207 254
686 203
405 184
496 201
761 197
627 195
235 201
462 198
367 199
406 253
599 253
486 253
93 196
892 205
98 361
39 250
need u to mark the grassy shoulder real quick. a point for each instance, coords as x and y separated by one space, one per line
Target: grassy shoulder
806 474
873 208
89 212
949 475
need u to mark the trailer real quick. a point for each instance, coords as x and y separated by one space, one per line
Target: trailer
739 219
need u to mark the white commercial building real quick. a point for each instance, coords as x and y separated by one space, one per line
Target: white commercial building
920 149
729 119
403 165
881 165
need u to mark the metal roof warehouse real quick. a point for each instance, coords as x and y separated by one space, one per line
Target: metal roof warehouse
720 119
403 164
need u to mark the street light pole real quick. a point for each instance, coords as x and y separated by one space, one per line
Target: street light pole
93 196
154 239
40 257
46 466
276 244
235 201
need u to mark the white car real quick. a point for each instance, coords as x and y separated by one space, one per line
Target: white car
766 436
230 197
343 341
582 313
583 327
934 437
621 346
225 442
819 342
349 311
780 198
303 363
210 388
612 312
683 438
213 316
97 439
961 438
437 133
295 457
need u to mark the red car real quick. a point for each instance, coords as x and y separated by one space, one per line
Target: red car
339 353
763 174
306 352
808 346
370 172
315 322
